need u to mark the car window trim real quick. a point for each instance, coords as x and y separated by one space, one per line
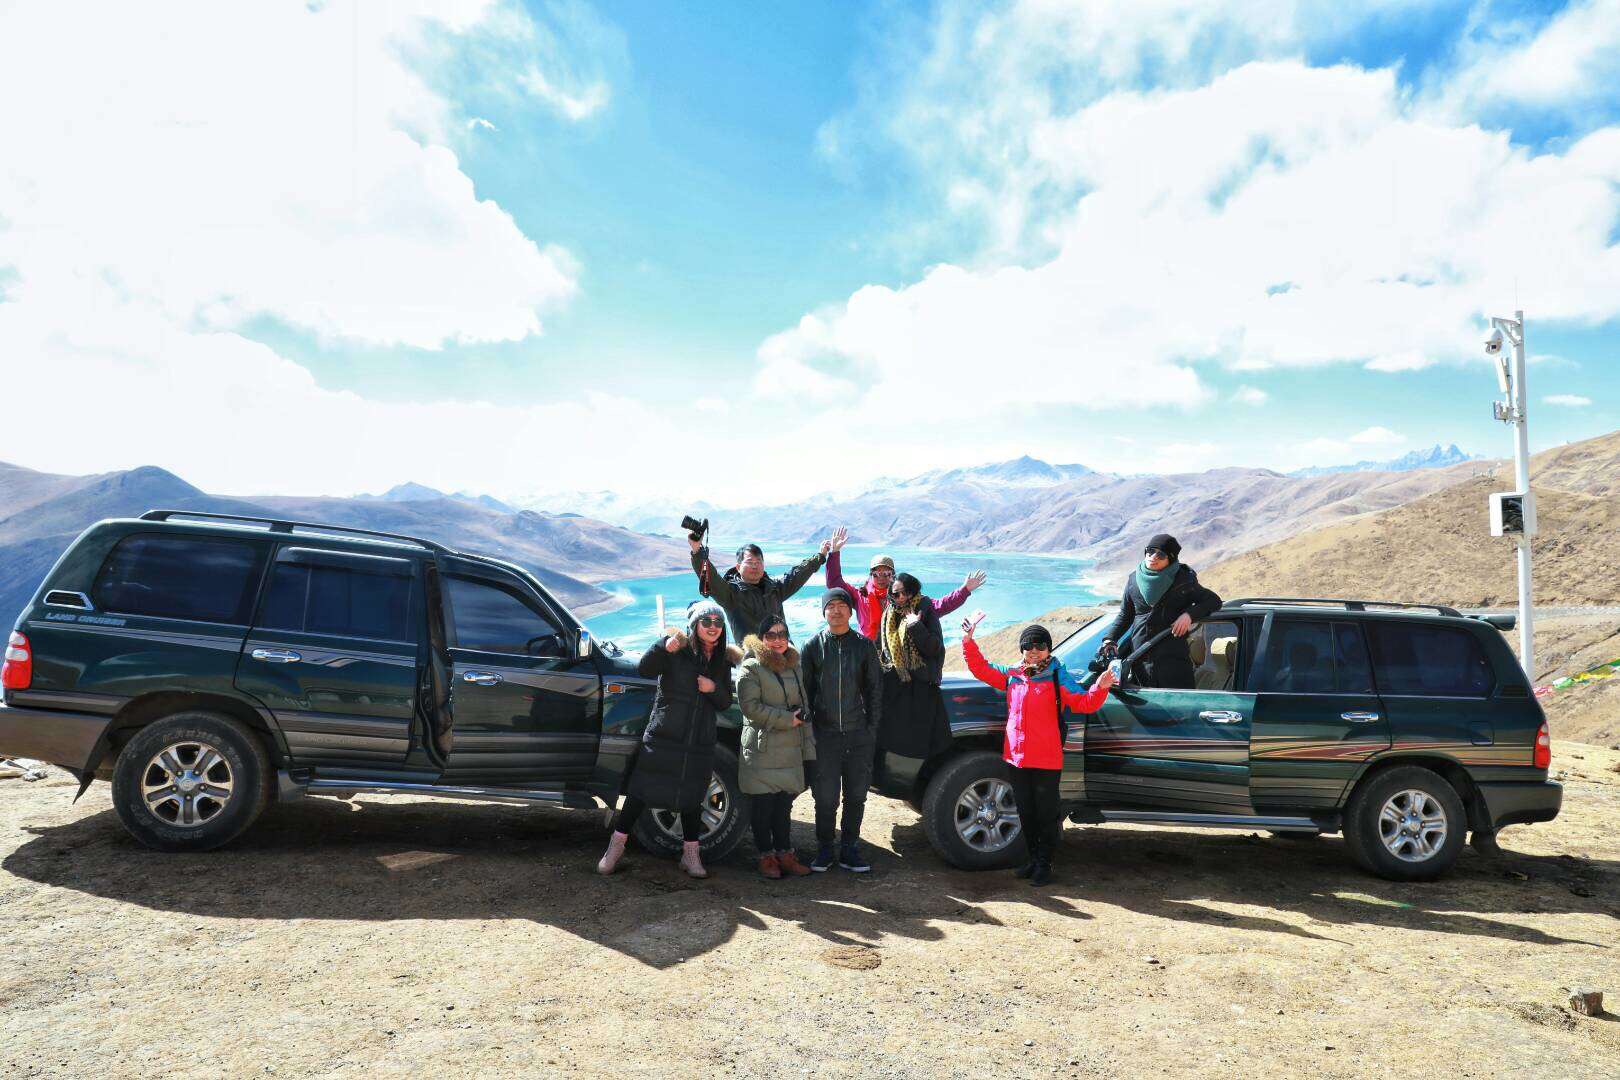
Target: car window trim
508 583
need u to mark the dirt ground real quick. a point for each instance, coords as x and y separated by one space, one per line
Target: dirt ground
391 936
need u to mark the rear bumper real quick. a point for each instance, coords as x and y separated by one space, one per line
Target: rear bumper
61 738
1521 804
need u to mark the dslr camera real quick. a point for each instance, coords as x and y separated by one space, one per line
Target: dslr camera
697 529
1105 656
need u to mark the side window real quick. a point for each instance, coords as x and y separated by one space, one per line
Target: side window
1300 659
1350 658
1214 649
179 577
1430 660
339 600
492 619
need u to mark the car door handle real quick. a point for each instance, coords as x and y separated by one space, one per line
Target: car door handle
482 678
1221 716
1359 717
276 656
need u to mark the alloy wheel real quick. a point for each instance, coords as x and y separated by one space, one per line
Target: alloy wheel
1413 825
714 807
986 815
187 784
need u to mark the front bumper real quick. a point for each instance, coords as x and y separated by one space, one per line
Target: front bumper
1521 804
62 738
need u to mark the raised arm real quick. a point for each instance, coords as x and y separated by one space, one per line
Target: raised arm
835 574
796 577
1083 701
719 587
958 596
982 669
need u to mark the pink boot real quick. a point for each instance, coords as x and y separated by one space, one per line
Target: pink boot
690 862
615 852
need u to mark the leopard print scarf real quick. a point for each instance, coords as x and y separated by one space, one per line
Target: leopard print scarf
896 649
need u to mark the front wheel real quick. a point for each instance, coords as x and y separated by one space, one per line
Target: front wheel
1406 824
969 816
659 830
193 781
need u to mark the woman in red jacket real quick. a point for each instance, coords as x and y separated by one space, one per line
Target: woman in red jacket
1038 691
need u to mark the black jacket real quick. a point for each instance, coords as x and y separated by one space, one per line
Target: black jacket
928 637
747 605
1185 596
843 681
677 748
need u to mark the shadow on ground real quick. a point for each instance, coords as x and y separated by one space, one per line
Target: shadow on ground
326 859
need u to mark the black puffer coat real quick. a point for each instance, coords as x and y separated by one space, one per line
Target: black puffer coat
915 723
677 748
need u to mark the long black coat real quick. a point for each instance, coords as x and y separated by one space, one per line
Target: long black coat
1184 596
914 722
672 770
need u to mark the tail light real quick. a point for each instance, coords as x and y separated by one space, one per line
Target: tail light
18 671
1542 759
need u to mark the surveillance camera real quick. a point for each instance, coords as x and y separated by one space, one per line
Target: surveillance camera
1493 343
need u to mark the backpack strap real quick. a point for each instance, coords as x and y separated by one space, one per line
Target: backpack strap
1057 699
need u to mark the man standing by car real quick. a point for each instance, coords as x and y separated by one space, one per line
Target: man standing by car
1161 592
843 685
745 592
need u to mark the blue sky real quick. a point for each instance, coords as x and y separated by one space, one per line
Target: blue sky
814 242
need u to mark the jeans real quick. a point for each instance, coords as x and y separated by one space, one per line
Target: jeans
1035 791
691 820
843 760
772 818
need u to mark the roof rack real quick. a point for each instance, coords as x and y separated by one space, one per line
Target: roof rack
278 525
1348 605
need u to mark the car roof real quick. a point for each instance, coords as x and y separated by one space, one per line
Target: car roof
311 533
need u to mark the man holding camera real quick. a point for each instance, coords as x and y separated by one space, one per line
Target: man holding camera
745 592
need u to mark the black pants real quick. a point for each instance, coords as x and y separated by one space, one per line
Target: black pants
772 818
1165 673
843 761
691 820
1035 791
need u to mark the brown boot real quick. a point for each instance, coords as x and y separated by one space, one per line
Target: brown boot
790 864
768 867
691 860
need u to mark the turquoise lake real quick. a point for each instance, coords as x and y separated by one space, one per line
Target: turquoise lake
1019 588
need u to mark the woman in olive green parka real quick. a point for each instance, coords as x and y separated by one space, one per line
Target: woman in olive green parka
776 742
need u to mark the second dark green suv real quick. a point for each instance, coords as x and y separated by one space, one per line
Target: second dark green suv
207 665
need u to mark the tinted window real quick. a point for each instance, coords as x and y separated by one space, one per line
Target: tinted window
1440 660
338 600
1350 659
492 619
179 577
1301 658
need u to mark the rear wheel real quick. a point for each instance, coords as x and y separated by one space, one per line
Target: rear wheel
969 816
191 782
1407 824
660 830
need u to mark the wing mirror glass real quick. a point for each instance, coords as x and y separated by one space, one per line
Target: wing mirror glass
585 643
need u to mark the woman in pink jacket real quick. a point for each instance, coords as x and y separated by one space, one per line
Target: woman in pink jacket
872 596
1038 692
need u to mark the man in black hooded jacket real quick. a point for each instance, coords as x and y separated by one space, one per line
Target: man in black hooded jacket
1160 593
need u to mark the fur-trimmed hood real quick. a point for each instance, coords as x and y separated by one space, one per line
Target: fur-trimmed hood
758 650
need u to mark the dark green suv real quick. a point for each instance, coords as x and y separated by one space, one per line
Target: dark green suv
1403 726
207 665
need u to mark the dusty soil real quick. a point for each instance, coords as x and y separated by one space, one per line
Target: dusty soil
391 936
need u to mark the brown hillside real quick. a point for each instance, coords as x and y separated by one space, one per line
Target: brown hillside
1438 549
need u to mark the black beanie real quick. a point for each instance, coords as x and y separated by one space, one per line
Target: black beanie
838 595
1167 544
1035 635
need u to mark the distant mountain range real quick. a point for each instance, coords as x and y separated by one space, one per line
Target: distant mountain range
411 491
41 513
1436 457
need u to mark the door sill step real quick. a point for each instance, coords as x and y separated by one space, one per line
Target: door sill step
293 787
1212 821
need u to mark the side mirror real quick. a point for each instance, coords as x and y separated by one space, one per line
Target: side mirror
585 643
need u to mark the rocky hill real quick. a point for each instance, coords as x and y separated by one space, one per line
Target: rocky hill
1438 548
41 513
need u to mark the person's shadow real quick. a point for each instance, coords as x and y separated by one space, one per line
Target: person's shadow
386 859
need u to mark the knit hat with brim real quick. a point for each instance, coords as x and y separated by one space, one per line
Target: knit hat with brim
880 560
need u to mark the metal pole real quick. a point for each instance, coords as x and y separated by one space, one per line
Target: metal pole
1521 471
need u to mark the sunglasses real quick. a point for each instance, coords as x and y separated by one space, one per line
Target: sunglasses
776 635
711 620
882 573
1151 552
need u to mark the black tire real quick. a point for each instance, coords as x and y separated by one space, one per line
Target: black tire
1365 837
243 770
940 803
720 840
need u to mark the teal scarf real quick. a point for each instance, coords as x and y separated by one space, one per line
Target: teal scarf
1153 584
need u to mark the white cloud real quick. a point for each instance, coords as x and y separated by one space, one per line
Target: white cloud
478 123
1250 395
578 105
1572 401
1377 436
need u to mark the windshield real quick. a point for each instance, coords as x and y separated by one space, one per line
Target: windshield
1078 649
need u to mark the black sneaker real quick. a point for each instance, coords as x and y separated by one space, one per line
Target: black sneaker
1026 870
850 859
824 859
1042 874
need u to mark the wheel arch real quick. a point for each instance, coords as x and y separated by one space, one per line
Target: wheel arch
141 711
1450 769
962 744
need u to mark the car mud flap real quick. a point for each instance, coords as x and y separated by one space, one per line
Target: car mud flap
87 775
